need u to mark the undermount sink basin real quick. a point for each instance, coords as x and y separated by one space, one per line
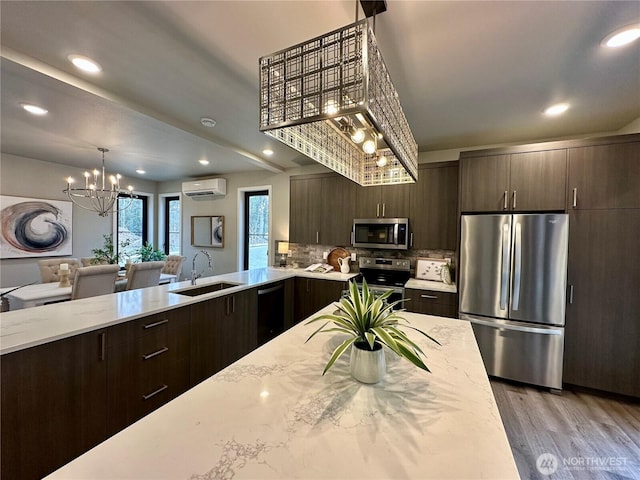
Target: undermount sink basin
211 287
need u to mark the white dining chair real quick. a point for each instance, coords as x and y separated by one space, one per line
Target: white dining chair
145 274
94 280
49 269
173 266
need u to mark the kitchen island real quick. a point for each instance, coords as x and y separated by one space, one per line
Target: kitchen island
273 415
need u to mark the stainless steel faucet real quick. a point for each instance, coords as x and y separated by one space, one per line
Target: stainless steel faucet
195 275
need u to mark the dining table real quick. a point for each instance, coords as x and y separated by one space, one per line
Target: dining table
44 293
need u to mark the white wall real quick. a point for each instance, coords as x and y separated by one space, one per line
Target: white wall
226 258
26 177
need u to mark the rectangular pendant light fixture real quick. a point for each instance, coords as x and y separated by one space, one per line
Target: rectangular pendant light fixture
331 99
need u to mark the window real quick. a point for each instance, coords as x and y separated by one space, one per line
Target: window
132 227
172 224
256 229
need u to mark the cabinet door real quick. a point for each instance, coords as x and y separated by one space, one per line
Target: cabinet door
368 200
396 200
604 176
434 211
602 322
483 183
305 209
338 210
538 181
311 295
148 365
326 292
222 330
53 404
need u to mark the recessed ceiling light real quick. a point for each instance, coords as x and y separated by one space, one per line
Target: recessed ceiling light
557 109
85 63
268 152
141 171
204 162
621 37
208 122
36 110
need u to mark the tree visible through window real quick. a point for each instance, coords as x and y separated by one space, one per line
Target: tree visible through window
172 226
132 227
256 229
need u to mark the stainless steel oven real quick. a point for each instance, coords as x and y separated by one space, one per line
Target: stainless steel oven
384 274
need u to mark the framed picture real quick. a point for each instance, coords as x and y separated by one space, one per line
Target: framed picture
33 227
430 268
207 231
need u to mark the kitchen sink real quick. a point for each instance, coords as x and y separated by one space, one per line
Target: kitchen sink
211 287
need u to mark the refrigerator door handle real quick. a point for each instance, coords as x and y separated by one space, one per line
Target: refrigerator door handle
517 267
511 326
505 267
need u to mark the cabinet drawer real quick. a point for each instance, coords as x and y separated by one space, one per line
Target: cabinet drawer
431 302
143 326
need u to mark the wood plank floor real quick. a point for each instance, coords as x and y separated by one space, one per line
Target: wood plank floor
591 436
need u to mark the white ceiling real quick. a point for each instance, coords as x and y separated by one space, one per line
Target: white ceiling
468 73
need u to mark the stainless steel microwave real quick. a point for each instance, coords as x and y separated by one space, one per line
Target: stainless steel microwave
382 233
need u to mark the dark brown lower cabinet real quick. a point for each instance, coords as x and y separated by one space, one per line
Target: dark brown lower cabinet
602 333
54 400
313 294
148 365
223 330
430 302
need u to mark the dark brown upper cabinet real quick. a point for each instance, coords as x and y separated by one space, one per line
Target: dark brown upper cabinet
305 209
604 176
322 208
528 181
387 201
434 207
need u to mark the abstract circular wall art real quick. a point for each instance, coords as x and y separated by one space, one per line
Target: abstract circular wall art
31 227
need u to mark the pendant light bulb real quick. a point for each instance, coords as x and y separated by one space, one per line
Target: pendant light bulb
358 135
381 161
331 107
369 147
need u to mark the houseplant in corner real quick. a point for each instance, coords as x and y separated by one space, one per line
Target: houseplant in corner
150 254
371 323
107 254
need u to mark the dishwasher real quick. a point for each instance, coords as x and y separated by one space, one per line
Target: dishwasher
270 312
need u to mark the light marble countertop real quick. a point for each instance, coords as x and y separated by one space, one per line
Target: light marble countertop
30 327
272 415
431 285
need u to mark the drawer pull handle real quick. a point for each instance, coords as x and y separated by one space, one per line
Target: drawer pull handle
154 393
155 324
156 353
432 297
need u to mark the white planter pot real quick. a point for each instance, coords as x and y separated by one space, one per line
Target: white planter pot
367 366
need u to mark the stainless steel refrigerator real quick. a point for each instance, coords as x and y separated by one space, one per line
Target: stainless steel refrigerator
513 280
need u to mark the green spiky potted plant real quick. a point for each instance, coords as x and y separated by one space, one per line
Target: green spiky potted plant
371 323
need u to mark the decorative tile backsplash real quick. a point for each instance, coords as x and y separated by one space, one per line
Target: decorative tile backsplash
303 255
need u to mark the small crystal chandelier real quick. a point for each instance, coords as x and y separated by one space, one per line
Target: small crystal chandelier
332 99
100 199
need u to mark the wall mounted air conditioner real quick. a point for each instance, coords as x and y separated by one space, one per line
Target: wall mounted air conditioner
205 189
